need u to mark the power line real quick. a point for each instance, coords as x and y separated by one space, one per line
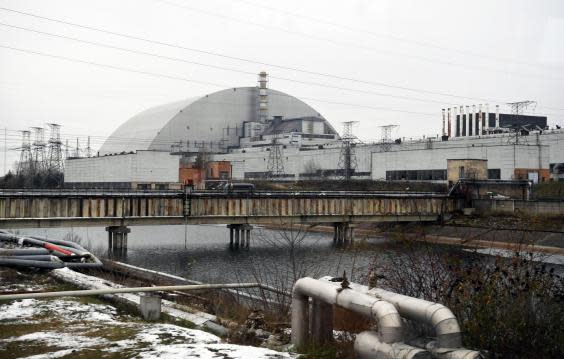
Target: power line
211 53
178 78
392 37
348 44
176 59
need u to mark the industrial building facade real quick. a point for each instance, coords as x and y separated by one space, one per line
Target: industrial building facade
256 133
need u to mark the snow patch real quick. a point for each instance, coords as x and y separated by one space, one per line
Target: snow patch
61 340
210 351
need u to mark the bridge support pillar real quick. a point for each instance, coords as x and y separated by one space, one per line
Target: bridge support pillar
343 232
117 241
239 235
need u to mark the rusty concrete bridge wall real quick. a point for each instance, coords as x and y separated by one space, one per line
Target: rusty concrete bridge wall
42 209
315 208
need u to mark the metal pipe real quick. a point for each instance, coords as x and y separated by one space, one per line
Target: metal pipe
451 353
40 257
31 263
367 345
81 293
60 248
23 252
388 318
439 317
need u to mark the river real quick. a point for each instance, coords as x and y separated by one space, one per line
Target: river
202 252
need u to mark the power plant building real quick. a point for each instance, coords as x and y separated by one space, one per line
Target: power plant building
263 133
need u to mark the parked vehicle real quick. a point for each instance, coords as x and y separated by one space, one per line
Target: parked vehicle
239 188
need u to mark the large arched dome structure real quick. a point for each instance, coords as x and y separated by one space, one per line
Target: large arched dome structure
215 118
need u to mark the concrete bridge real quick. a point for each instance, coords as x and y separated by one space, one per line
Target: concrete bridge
117 209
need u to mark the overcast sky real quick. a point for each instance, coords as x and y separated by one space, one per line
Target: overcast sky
404 57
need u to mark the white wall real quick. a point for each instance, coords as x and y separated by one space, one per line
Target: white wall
505 157
142 166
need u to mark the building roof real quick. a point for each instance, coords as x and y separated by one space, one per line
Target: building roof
207 118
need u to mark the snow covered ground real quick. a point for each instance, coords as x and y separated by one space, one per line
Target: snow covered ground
66 327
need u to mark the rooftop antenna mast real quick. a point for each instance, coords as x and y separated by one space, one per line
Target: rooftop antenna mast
55 148
518 108
88 148
347 157
386 139
275 166
77 149
39 160
26 157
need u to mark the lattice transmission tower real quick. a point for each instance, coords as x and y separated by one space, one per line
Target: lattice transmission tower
38 149
275 167
25 166
347 157
518 108
55 157
386 137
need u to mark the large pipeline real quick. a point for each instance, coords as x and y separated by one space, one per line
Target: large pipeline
35 257
437 316
384 313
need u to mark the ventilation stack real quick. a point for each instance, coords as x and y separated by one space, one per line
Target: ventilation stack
263 97
444 123
449 124
487 122
474 121
456 129
480 120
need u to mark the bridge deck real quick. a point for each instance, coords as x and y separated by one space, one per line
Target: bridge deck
100 208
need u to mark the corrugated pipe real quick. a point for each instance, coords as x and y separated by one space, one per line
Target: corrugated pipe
385 314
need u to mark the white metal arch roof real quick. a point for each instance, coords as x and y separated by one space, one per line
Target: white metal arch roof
199 119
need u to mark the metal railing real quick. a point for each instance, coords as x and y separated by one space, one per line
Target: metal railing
168 288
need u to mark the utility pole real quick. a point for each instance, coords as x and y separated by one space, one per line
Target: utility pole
347 157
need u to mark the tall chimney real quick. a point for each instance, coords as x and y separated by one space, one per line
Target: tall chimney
469 125
487 117
480 120
456 129
496 116
449 133
474 121
263 97
444 131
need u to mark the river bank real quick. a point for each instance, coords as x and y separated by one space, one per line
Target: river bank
544 235
91 328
